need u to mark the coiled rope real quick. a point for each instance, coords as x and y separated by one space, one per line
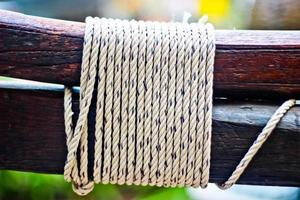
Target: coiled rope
153 106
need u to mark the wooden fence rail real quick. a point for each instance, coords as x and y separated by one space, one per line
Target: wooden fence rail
33 138
260 64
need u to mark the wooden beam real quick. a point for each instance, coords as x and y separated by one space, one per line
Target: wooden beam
33 139
260 64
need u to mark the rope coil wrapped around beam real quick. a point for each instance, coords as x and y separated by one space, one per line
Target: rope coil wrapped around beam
154 105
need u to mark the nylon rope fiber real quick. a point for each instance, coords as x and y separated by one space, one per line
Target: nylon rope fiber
153 120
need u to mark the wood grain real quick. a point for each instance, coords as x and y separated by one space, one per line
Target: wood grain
260 64
33 139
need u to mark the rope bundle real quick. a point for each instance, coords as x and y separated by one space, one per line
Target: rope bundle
153 106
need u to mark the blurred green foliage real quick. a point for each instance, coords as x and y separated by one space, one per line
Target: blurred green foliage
25 185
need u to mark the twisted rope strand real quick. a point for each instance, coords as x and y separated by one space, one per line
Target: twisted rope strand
70 169
68 116
208 104
132 103
262 137
81 184
125 103
185 107
178 103
155 103
163 105
108 114
193 105
140 103
200 107
171 103
117 102
99 129
148 84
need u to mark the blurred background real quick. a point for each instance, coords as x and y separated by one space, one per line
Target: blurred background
225 14
229 14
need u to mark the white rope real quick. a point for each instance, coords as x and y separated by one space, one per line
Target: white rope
155 102
171 104
153 106
262 137
117 101
124 105
132 103
140 103
178 102
148 101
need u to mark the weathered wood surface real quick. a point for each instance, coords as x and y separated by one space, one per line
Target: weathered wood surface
33 139
260 64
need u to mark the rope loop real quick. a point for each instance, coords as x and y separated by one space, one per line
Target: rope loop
83 190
